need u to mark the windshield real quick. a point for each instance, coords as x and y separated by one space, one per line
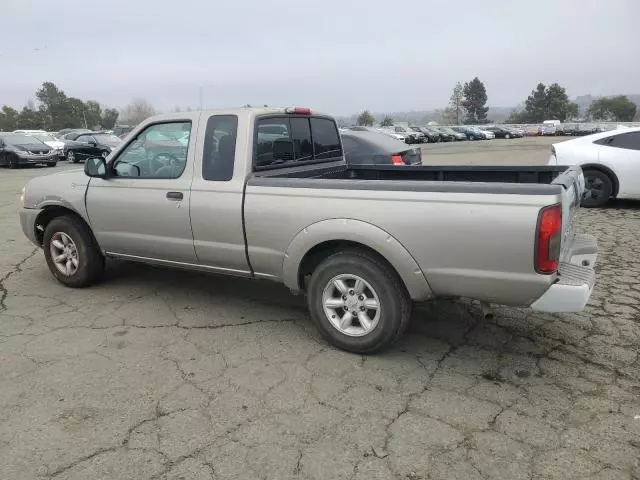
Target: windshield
107 138
19 139
43 137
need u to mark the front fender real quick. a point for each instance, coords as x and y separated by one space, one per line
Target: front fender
358 232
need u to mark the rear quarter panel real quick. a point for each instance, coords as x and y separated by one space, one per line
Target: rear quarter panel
466 244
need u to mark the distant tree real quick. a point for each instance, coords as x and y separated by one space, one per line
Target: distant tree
93 114
54 105
549 103
366 119
109 118
31 119
8 119
475 99
517 116
387 121
456 103
617 109
137 111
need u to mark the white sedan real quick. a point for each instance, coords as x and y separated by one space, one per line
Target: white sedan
610 161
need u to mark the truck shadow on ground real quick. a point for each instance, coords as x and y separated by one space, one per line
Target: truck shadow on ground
453 322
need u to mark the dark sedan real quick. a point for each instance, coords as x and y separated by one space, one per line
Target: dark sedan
471 133
86 145
430 135
503 132
372 148
17 149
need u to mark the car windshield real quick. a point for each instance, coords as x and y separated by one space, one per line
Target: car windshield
19 139
43 137
106 138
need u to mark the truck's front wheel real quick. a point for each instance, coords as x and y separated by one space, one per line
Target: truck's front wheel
358 302
71 252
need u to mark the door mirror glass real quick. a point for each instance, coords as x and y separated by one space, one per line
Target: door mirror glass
95 167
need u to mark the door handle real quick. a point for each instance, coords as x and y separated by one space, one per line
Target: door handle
176 196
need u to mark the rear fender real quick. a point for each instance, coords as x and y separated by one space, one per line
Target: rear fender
360 232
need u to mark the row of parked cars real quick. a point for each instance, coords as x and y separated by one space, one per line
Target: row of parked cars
412 134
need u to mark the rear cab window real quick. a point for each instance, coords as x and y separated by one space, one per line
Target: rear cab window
291 139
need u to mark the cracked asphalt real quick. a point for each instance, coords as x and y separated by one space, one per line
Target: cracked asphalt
161 374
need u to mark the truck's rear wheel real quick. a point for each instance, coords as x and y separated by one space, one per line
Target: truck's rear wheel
71 252
358 302
598 188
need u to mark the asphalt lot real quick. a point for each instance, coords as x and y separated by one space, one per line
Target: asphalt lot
167 374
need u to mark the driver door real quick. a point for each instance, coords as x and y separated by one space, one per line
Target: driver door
142 210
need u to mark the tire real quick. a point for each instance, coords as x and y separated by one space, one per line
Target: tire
72 157
598 189
380 285
11 162
90 265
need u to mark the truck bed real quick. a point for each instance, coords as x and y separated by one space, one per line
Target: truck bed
485 179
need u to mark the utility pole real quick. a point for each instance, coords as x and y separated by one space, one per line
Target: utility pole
85 119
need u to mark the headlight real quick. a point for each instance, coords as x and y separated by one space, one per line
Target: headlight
23 192
23 153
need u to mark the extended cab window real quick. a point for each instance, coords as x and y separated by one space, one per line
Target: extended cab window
159 151
295 139
629 141
219 147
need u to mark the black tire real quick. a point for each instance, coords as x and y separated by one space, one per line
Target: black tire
394 301
598 189
91 261
71 156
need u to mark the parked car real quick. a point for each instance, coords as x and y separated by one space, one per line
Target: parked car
18 149
457 136
90 144
431 136
446 135
471 133
502 132
585 129
532 131
374 148
411 136
49 139
488 135
290 209
610 161
548 130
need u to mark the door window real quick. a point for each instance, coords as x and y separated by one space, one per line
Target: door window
83 138
219 147
159 151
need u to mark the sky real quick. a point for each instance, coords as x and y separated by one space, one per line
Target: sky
336 56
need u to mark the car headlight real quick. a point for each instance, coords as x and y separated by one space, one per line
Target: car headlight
23 193
23 153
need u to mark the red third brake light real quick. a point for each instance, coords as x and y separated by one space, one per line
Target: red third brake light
548 238
397 160
299 110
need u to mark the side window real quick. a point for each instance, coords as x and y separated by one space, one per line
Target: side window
273 143
301 136
629 141
326 142
159 151
83 139
220 147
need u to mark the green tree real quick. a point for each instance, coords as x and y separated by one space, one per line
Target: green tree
456 101
31 119
109 118
618 109
8 119
53 105
93 114
387 121
549 103
366 119
475 99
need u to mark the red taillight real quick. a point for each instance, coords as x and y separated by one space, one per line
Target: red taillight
397 160
548 239
299 110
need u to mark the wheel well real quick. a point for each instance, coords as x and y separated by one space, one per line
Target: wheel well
317 254
607 171
48 214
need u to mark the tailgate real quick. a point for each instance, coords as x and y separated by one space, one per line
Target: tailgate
572 179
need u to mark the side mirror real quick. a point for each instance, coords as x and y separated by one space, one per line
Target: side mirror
95 167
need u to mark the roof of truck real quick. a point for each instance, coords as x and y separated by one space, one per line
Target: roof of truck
233 111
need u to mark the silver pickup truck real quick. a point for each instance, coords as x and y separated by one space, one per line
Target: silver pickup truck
266 193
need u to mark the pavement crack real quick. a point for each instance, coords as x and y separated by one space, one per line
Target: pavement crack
65 468
17 268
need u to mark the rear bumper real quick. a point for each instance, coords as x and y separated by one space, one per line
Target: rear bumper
576 279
